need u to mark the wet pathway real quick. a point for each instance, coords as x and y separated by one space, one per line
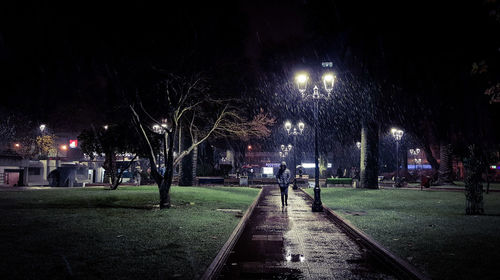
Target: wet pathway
295 243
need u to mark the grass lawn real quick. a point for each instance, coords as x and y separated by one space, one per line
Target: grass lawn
94 233
428 228
459 184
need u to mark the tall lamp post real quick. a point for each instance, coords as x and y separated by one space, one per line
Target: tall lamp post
42 128
397 134
62 147
418 162
328 81
297 130
414 153
356 173
161 129
285 150
158 130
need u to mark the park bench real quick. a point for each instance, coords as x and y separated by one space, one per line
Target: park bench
338 181
210 180
232 181
301 181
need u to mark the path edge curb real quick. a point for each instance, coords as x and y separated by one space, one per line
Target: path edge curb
400 267
214 268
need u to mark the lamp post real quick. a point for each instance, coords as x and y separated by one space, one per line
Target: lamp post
418 162
356 173
157 129
297 130
414 153
397 134
285 149
162 129
328 81
63 147
42 128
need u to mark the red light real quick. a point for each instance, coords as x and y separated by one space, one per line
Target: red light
73 143
249 147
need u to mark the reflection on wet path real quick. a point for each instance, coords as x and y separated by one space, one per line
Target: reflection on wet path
295 243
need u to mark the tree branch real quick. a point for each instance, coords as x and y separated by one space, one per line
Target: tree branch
151 155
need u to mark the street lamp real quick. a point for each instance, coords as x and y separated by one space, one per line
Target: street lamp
418 162
285 150
397 134
62 147
358 145
414 153
297 130
42 128
157 129
161 129
328 82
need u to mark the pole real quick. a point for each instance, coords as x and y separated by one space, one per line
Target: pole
415 163
159 153
295 161
397 163
317 205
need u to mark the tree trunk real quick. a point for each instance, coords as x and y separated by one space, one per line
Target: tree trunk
115 182
195 161
430 157
369 156
186 165
445 173
166 180
473 186
110 167
164 188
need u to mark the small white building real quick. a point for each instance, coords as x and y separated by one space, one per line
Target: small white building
16 171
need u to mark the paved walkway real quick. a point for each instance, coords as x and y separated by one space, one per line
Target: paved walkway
295 243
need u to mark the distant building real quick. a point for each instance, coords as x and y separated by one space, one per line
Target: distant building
16 171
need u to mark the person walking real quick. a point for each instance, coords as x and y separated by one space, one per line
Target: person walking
283 177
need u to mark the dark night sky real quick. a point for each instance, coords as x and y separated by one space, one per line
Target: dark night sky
52 56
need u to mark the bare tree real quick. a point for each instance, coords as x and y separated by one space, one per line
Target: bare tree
111 141
7 130
184 103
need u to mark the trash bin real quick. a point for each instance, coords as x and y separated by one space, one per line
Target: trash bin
425 181
355 183
243 180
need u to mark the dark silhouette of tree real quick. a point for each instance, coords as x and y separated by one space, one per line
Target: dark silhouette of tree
182 105
113 140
